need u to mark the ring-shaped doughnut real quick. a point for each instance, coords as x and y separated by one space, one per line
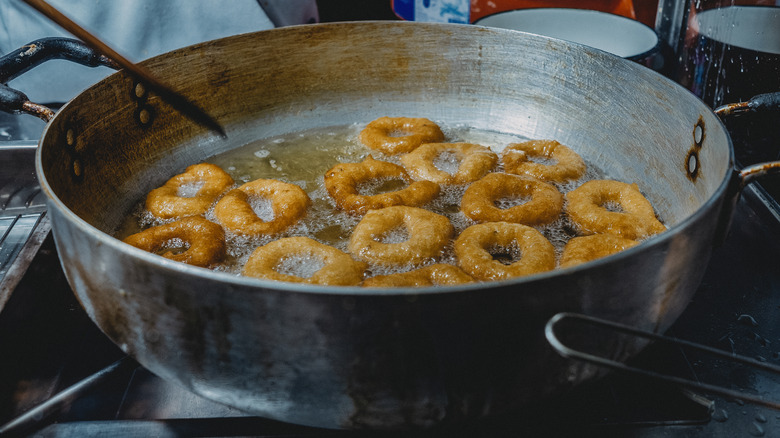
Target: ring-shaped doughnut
235 212
480 199
426 235
399 135
343 180
583 249
190 193
204 241
527 250
473 162
325 264
568 165
588 207
439 274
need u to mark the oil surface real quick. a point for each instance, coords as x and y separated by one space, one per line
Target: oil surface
303 158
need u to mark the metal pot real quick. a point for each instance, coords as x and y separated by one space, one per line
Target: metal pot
342 357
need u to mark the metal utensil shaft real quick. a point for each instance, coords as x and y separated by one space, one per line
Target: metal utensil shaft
179 102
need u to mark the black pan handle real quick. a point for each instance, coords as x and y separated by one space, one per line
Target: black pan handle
33 54
762 102
741 178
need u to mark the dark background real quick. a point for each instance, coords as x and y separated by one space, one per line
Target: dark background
353 10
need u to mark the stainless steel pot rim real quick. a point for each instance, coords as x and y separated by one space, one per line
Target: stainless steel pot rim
170 266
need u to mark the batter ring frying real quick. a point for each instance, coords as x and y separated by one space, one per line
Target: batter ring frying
586 248
204 241
427 234
526 249
171 201
588 206
434 275
327 265
399 135
343 181
479 200
474 161
288 202
568 164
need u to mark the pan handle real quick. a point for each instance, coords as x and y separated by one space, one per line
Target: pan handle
741 178
568 352
762 102
33 54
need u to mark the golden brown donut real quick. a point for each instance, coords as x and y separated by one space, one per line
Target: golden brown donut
328 265
474 161
434 275
204 241
527 250
204 182
343 182
479 200
567 166
587 206
288 202
427 234
398 135
586 248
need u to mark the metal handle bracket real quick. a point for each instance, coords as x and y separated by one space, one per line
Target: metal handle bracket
568 352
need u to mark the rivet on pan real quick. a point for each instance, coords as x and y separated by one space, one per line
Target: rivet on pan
144 115
139 91
78 169
70 137
692 165
698 132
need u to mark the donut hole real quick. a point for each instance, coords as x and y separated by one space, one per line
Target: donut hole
397 234
612 206
506 255
173 246
190 189
262 207
300 265
543 160
507 202
399 132
447 161
381 185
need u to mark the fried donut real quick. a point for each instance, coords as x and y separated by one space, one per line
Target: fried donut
190 193
399 135
474 161
527 251
343 180
306 261
204 241
428 233
434 275
480 199
568 164
586 248
587 206
288 202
